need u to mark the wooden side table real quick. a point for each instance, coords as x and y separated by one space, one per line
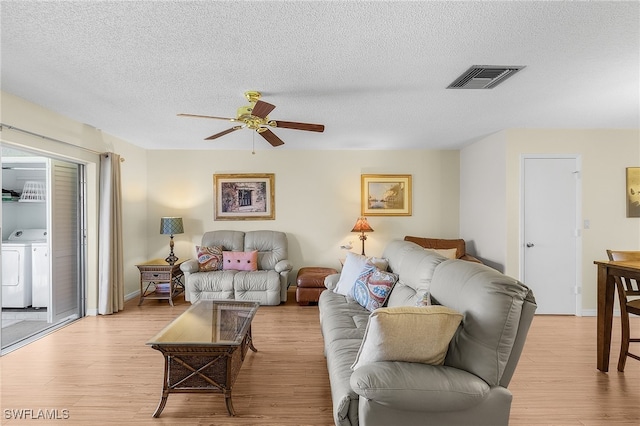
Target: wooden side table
155 273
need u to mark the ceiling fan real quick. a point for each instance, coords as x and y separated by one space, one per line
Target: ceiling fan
255 117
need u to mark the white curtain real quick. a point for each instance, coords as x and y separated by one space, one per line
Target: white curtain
110 263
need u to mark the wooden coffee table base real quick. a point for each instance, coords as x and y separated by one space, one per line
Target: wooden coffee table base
196 369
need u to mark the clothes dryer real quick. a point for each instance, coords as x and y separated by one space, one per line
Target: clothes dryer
16 267
40 282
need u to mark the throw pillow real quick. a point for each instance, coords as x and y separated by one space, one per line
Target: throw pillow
425 300
373 286
209 258
240 260
353 265
448 253
408 333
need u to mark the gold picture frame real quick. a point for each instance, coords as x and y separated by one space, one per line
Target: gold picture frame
385 195
246 196
633 192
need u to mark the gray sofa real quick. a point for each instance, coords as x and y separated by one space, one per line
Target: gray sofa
471 387
268 285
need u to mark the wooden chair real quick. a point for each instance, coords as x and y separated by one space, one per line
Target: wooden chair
626 288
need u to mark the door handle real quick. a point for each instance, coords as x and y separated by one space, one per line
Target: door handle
530 245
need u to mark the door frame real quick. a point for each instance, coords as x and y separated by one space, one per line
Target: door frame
82 274
578 220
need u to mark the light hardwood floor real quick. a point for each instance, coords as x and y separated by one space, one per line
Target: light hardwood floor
101 371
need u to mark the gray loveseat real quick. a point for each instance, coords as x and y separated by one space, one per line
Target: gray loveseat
267 285
471 387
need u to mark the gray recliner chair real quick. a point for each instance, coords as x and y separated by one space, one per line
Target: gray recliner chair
268 285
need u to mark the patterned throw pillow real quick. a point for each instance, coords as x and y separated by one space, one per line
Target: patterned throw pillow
209 258
240 260
351 269
425 300
373 286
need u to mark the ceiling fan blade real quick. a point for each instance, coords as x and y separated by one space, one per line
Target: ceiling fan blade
226 132
271 137
262 109
300 126
207 116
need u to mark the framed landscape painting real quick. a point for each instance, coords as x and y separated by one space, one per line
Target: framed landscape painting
244 196
386 195
633 191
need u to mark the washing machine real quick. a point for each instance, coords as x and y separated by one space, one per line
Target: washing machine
17 267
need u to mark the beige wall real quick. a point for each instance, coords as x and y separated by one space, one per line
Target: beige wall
82 144
605 154
318 192
317 197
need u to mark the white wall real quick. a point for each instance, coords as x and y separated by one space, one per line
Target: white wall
483 209
605 155
317 198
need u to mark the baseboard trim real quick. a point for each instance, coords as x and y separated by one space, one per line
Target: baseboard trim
594 312
130 296
127 297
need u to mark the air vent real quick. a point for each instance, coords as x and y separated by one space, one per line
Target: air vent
484 77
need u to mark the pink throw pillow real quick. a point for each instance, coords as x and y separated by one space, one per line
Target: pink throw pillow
240 260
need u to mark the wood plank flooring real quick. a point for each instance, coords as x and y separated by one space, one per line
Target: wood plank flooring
101 372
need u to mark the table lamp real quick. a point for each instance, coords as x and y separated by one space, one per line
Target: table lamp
362 226
171 226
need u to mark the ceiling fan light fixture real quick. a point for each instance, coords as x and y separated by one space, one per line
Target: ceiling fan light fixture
244 112
255 117
252 96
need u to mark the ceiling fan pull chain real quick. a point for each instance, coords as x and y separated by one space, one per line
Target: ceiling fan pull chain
253 141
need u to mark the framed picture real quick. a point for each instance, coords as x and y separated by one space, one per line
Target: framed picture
244 196
633 191
386 195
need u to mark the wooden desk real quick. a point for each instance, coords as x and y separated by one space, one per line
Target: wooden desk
607 271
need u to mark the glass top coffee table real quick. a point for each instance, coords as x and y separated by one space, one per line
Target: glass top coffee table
204 348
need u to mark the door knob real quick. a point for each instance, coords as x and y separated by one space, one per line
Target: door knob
530 244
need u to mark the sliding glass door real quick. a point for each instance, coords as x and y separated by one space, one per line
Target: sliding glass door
50 268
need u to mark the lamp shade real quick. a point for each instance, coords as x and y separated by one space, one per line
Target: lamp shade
171 225
362 225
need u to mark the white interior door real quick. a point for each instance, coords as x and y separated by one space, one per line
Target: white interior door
550 239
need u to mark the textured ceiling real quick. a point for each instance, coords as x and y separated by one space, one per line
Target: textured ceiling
374 73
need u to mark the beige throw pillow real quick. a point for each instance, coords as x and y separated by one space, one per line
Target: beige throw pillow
408 333
448 253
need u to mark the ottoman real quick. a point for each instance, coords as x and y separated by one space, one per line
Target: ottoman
310 282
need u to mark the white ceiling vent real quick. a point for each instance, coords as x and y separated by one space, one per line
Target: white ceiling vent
484 76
